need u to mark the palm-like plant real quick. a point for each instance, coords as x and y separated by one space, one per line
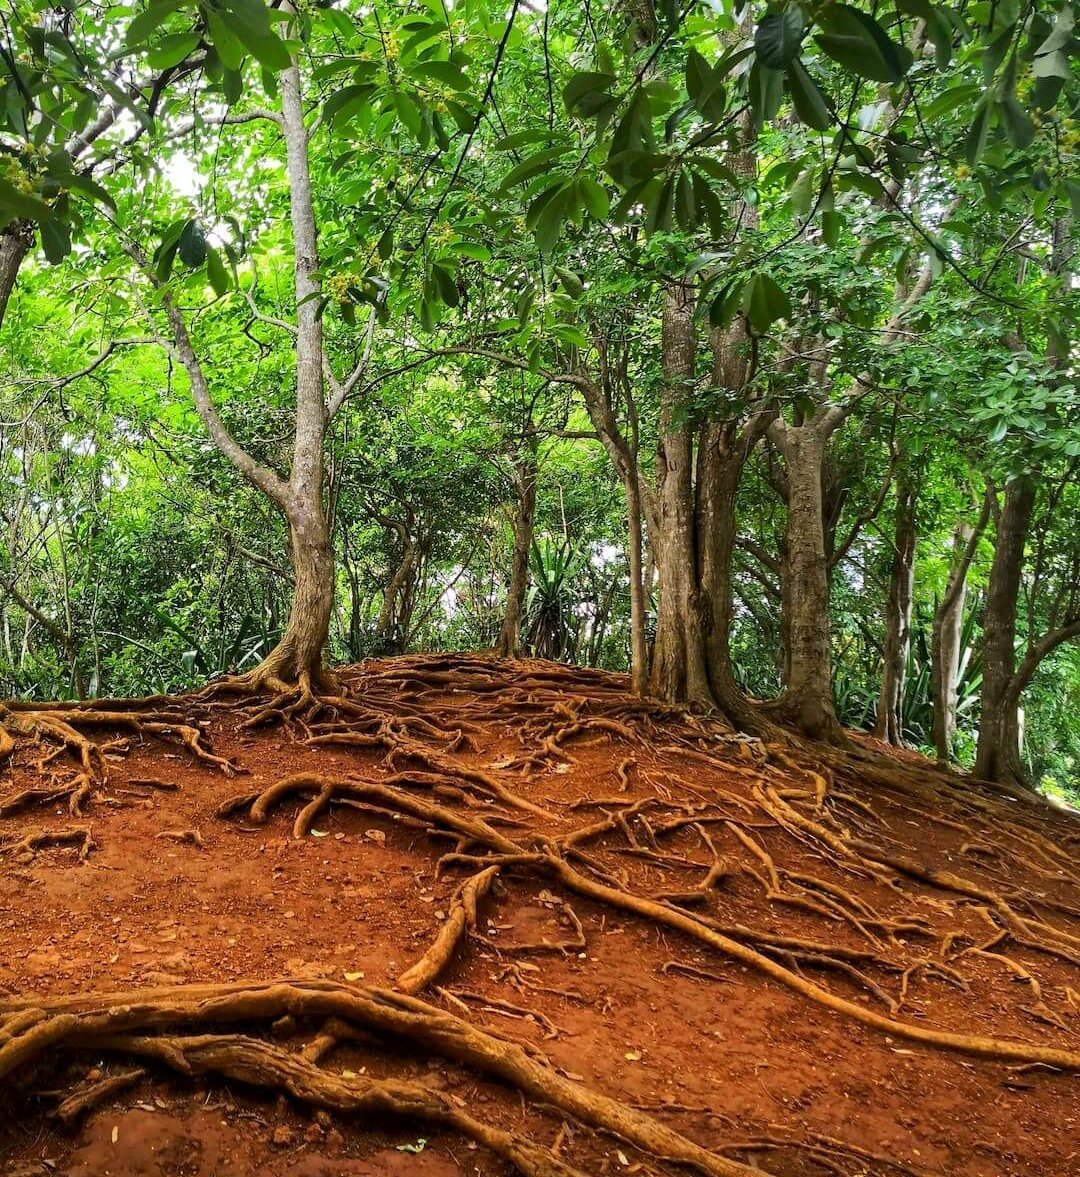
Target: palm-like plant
550 618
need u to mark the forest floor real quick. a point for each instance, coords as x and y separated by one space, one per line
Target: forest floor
771 958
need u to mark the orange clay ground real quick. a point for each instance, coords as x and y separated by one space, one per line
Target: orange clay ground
649 947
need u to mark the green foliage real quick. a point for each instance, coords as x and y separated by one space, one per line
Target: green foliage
502 197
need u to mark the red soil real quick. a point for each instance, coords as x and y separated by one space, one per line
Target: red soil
729 1059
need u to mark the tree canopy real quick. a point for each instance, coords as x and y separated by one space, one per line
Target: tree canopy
727 344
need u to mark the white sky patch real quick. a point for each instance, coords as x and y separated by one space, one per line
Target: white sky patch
181 175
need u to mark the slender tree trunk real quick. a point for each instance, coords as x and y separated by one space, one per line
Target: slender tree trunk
723 449
639 648
679 669
355 604
391 614
998 754
890 719
948 627
298 655
525 476
945 651
807 701
16 241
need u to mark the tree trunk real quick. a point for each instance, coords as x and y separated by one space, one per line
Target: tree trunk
807 700
945 650
998 754
525 474
16 241
889 725
298 655
679 671
391 615
948 626
724 449
639 587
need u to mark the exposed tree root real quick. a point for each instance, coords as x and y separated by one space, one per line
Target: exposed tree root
49 723
459 923
75 792
789 816
143 1023
96 1092
25 849
507 853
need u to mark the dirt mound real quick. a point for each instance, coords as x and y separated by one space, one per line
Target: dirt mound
475 917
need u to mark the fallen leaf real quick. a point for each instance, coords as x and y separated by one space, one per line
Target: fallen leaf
632 1056
354 976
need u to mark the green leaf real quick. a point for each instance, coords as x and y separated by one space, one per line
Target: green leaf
1061 34
549 222
445 72
148 22
530 167
808 100
594 197
471 249
951 100
346 96
1051 65
801 193
249 22
582 84
831 224
766 88
659 207
409 112
698 74
860 44
766 303
573 336
192 244
1072 189
1018 127
232 85
165 258
80 182
523 139
229 47
446 285
975 140
21 204
216 272
172 50
55 240
686 211
779 36
572 284
725 305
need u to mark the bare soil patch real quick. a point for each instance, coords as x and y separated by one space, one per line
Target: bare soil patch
476 917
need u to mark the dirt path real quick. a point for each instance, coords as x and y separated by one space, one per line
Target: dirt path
815 968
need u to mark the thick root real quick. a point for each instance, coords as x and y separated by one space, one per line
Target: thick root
25 849
459 923
144 1022
544 861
